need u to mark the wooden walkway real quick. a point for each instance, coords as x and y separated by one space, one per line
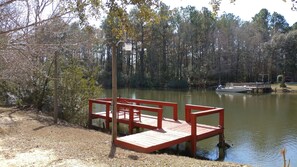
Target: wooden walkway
163 132
256 87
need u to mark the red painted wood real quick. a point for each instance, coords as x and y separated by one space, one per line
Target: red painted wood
222 118
90 113
193 134
122 105
108 118
175 112
107 106
192 118
187 114
160 117
164 132
161 104
131 119
190 107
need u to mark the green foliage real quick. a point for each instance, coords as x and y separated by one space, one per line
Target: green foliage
167 44
294 26
278 23
178 84
192 44
122 80
105 79
282 85
136 82
282 82
75 91
5 88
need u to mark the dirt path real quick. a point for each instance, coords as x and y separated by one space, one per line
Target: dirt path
31 139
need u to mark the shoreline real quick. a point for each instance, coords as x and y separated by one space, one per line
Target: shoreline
289 89
29 138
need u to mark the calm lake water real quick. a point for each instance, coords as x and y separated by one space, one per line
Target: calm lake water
256 126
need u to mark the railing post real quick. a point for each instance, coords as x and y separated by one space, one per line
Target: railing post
187 114
131 118
90 114
161 106
221 136
222 118
193 135
107 110
160 117
175 116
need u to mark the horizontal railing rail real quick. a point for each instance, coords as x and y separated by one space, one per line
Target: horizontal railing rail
107 110
126 104
190 107
191 117
133 107
160 104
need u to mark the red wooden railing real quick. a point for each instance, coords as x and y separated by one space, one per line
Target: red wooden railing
107 110
191 117
192 112
160 104
190 107
128 103
133 107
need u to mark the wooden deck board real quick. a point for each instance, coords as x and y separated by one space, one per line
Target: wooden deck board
153 138
172 133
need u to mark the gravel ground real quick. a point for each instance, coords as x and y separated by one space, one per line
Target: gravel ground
29 138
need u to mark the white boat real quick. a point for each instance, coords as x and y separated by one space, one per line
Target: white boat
233 89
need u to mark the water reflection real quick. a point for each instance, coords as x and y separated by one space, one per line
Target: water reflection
258 126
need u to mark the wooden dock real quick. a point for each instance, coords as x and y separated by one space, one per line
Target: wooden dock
162 132
256 87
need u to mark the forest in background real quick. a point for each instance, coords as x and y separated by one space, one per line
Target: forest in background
172 48
190 46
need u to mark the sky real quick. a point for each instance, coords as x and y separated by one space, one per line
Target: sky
245 9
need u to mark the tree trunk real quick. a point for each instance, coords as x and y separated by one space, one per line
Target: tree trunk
56 88
114 94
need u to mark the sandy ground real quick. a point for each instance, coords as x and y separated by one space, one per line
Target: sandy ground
29 138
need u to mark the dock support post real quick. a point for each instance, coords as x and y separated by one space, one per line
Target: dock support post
177 148
160 117
222 146
193 147
131 118
107 116
90 114
221 141
193 134
103 125
221 125
222 153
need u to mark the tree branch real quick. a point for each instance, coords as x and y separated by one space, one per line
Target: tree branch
32 24
7 3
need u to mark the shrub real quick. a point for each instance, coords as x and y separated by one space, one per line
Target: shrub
283 85
75 91
7 93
